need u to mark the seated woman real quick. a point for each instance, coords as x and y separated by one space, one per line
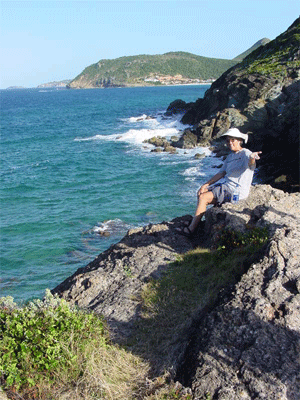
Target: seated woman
237 173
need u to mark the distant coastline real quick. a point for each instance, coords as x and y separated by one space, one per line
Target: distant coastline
64 86
15 88
50 85
210 71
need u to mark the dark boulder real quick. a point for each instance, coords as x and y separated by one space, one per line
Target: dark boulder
176 107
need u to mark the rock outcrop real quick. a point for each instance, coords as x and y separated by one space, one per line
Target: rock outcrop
260 96
111 284
247 345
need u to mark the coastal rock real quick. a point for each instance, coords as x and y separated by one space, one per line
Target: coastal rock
176 107
188 140
247 344
161 144
248 347
157 141
265 206
111 284
170 149
199 156
104 233
259 96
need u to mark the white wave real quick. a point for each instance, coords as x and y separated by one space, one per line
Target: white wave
134 136
112 226
139 136
142 128
191 178
96 137
173 121
159 118
140 118
192 171
143 118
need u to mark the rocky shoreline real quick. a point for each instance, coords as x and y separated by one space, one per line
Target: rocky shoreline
231 348
245 344
260 96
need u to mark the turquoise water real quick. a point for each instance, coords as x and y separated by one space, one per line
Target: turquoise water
73 163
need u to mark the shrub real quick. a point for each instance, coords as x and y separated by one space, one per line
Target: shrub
231 239
39 338
48 348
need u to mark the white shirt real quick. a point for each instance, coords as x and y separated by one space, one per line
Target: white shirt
238 173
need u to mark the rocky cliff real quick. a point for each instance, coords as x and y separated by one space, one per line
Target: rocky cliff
233 329
248 347
260 96
256 45
245 343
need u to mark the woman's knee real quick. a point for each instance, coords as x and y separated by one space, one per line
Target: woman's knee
206 198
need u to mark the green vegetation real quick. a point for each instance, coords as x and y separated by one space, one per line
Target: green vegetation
50 350
261 42
134 69
231 240
277 56
190 285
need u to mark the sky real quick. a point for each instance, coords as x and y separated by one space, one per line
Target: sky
45 41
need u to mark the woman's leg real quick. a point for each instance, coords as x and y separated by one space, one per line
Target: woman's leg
204 200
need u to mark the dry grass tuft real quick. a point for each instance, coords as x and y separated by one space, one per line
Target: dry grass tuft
110 373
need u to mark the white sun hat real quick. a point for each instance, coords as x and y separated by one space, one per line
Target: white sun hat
235 133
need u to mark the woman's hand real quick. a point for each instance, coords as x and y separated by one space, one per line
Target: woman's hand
203 189
255 155
211 181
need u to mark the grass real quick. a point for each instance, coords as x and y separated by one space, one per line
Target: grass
189 286
276 57
49 350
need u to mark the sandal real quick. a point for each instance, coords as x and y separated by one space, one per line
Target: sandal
188 222
183 232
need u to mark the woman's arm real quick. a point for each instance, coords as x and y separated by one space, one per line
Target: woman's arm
253 157
215 178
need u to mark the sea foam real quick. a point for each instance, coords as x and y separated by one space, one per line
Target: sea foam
143 128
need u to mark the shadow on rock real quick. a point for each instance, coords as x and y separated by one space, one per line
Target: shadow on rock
237 355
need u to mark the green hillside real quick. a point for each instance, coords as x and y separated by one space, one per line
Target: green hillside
277 57
133 70
261 42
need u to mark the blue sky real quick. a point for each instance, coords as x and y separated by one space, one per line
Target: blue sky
43 41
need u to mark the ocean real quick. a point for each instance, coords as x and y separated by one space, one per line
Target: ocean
74 164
